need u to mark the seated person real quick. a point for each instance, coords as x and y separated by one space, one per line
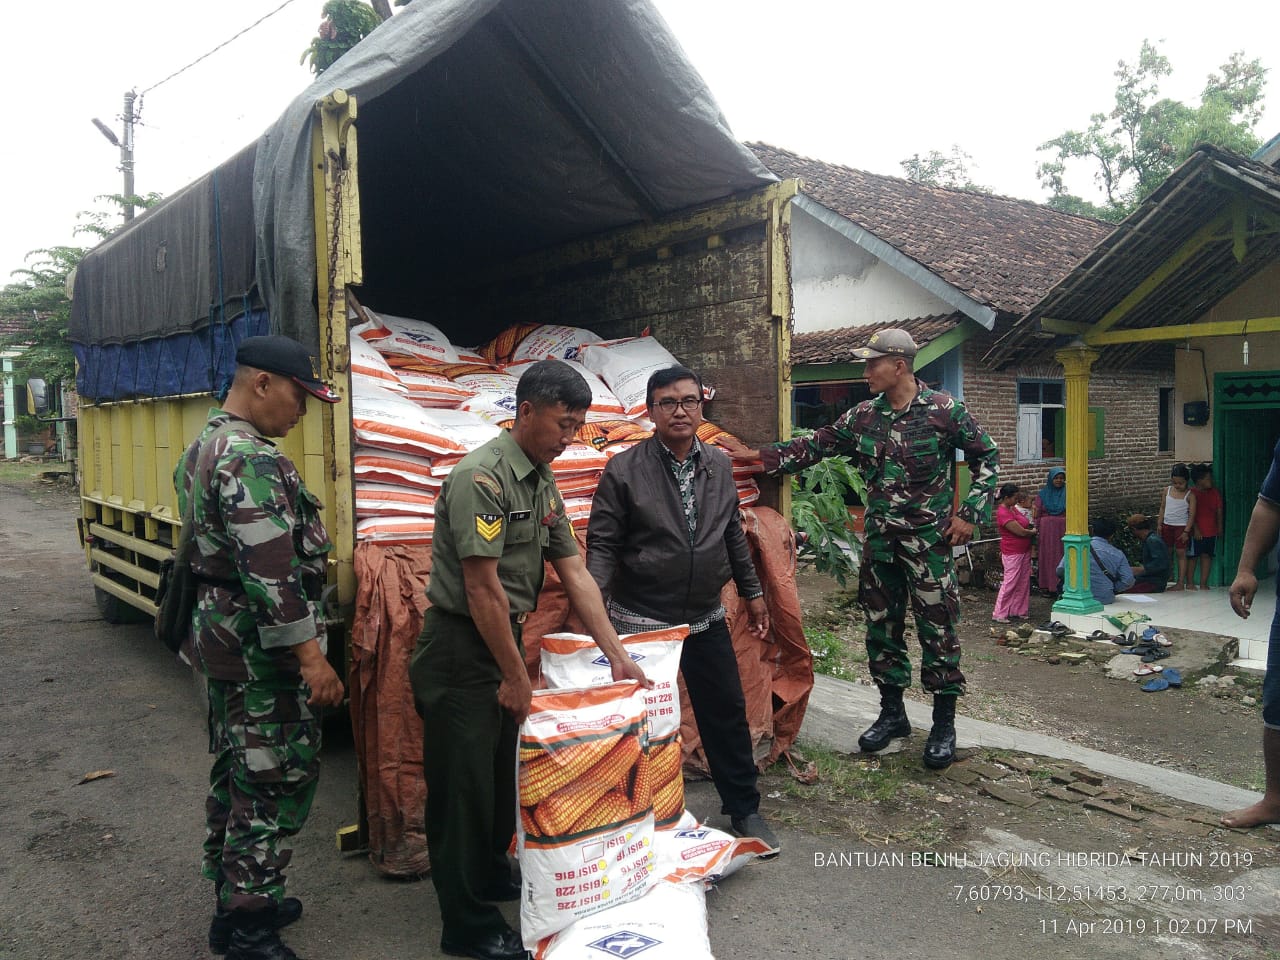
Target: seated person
1109 571
1152 574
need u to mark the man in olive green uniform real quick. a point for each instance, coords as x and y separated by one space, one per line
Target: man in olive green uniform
498 517
259 636
903 441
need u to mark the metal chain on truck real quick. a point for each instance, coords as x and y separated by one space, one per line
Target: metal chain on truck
339 181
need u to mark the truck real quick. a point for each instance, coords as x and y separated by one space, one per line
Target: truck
470 163
548 194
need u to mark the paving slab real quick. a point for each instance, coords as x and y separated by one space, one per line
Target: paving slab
987 771
1062 793
1116 810
1009 795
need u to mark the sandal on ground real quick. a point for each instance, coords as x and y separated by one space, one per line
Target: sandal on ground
1159 653
1140 650
1156 683
1101 636
1147 669
999 620
1173 676
1154 636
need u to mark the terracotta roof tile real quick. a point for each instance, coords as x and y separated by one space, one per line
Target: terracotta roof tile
1003 252
837 346
10 326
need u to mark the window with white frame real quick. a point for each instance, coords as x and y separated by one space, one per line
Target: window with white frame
1040 420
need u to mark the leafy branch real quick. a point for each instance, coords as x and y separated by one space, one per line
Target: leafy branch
820 514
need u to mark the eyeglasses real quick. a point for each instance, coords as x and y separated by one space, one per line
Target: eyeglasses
688 404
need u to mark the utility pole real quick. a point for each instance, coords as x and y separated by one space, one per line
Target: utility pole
126 149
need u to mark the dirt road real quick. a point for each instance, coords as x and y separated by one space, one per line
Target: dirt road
108 868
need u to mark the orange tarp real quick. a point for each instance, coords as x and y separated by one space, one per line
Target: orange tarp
777 676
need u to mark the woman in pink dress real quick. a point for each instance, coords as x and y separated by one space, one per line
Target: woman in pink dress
1016 532
1050 519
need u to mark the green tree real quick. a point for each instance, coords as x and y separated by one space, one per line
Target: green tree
37 306
1134 147
942 170
345 23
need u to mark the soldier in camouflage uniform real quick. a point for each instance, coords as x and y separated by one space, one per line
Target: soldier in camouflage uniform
902 442
259 639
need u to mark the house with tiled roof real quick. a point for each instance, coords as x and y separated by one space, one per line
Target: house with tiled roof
958 269
10 327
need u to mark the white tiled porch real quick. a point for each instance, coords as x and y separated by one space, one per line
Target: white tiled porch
1208 611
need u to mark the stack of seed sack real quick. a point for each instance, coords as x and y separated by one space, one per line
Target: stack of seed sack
419 404
607 850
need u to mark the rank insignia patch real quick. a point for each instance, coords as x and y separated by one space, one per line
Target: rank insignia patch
489 526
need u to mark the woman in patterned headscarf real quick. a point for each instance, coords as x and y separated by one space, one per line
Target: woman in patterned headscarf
1050 516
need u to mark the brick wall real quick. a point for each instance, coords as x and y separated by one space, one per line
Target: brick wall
1131 474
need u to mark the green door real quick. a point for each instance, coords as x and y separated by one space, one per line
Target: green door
1246 427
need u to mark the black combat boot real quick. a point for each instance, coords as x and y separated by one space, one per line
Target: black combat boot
254 936
289 910
940 748
891 723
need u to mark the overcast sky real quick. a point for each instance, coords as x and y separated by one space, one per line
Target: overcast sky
850 82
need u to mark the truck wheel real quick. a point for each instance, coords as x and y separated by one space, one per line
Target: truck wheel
115 611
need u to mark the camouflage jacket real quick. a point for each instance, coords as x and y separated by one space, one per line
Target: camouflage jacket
260 554
906 459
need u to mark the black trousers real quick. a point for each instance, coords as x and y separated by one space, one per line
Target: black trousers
469 759
715 689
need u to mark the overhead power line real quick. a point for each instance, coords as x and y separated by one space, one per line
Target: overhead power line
217 48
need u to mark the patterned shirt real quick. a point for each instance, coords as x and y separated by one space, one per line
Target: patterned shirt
683 471
628 621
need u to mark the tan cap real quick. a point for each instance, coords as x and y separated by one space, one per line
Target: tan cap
887 343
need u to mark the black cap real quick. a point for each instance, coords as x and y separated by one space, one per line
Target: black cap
288 358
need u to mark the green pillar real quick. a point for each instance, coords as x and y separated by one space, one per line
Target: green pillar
1076 361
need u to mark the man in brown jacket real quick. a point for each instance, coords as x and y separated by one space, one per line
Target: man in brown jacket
663 540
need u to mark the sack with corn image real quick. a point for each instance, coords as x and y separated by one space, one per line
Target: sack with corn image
585 833
574 660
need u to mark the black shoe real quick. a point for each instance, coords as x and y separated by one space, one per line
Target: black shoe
289 910
753 825
940 748
504 891
891 723
499 945
258 944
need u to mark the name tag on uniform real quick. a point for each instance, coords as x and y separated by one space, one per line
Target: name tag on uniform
515 515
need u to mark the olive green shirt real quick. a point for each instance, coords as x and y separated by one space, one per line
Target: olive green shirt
496 503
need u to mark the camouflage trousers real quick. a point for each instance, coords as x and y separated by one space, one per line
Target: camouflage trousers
265 742
891 573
